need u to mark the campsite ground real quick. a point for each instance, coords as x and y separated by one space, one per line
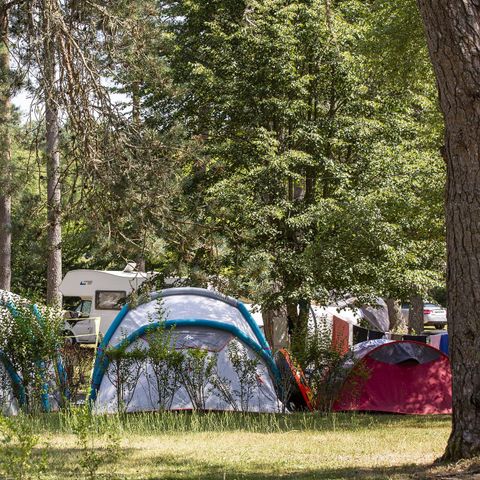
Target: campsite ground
216 446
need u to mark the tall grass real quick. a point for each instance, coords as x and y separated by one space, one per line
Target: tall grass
181 422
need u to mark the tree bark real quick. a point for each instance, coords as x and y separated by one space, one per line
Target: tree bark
140 261
54 237
275 327
453 34
5 158
297 314
395 318
415 315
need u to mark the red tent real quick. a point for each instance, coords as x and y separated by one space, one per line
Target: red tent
397 377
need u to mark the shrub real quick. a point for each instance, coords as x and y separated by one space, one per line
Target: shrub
78 363
124 371
325 366
165 364
98 444
246 369
18 461
30 338
197 371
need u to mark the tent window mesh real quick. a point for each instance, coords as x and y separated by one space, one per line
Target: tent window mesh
204 338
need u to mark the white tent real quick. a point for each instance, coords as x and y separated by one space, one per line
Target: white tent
197 319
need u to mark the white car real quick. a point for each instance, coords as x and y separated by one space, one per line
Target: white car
434 315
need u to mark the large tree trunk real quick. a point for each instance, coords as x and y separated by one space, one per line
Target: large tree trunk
5 158
54 237
415 315
453 34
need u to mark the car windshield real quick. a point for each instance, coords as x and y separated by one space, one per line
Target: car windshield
432 305
84 307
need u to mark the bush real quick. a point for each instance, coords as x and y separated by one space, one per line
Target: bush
197 371
124 371
78 363
325 367
18 441
98 443
246 369
165 364
31 338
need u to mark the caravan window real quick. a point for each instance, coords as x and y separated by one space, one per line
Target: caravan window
109 299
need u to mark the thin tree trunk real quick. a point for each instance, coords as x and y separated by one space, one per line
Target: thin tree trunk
298 316
136 119
275 327
54 237
5 159
140 261
453 35
415 315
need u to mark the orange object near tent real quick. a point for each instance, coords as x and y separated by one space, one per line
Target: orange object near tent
298 377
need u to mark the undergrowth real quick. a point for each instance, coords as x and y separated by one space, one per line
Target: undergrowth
155 423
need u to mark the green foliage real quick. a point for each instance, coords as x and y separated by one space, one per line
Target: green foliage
286 151
325 367
246 370
78 363
30 337
18 441
196 374
312 174
124 371
98 444
165 363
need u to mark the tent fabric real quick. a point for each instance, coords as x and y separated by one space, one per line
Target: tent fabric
404 351
377 315
375 335
198 337
434 341
341 334
440 342
145 398
361 334
415 338
398 377
444 344
185 303
198 319
361 349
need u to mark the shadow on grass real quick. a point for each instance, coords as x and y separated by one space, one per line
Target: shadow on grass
204 471
63 464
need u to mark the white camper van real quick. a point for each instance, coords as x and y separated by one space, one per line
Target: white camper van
98 296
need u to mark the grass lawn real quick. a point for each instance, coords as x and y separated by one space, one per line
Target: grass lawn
219 446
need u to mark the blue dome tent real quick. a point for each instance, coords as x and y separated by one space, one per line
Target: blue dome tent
197 319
